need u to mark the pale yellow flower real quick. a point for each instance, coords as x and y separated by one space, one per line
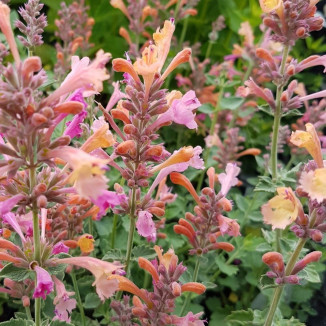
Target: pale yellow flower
314 184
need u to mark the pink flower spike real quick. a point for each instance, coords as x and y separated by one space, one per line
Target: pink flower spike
59 247
7 31
145 226
101 270
44 283
63 304
7 205
228 179
10 219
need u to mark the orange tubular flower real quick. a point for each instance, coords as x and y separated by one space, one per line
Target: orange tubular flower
249 151
86 243
148 266
128 286
119 4
211 177
310 141
169 258
224 246
120 115
193 287
122 65
179 179
183 155
124 33
102 138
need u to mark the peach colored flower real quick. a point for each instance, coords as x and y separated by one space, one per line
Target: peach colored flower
283 209
310 141
314 184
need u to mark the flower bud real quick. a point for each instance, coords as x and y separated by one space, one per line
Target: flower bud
292 279
300 32
38 119
42 201
193 287
129 129
176 289
310 258
275 261
126 147
26 301
61 141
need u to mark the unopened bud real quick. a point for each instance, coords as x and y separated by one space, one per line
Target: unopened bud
126 147
316 235
42 201
275 261
156 211
176 289
40 189
26 301
300 32
38 119
292 279
129 129
310 258
61 141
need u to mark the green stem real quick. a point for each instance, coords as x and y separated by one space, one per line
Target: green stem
28 313
114 230
278 291
79 301
177 10
211 131
37 309
276 127
90 226
194 279
184 31
277 116
209 49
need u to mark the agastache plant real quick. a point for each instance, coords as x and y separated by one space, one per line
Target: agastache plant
31 157
147 109
290 21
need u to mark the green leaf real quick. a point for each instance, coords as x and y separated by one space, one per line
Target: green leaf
292 113
14 273
92 301
266 184
310 274
240 317
143 251
114 254
206 108
231 103
226 268
266 109
209 285
17 322
59 323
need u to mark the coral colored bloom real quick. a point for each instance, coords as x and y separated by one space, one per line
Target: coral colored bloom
10 219
314 184
102 138
310 141
59 248
283 209
229 178
169 258
44 283
100 269
64 305
119 4
145 226
86 243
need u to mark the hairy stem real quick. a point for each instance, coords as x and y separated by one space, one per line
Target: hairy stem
79 301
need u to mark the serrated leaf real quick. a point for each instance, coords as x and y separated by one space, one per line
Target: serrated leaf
143 251
231 103
226 268
292 113
240 317
266 108
266 184
14 273
92 301
114 254
17 322
263 247
310 274
266 282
